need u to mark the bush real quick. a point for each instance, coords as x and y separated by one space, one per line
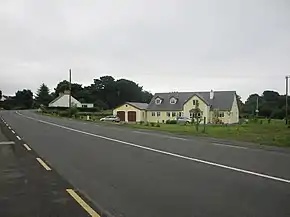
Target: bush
157 125
173 122
147 124
167 121
152 124
141 122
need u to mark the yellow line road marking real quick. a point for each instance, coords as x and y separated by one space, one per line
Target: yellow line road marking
82 203
27 147
43 163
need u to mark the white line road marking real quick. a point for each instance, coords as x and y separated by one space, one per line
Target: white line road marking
7 143
9 128
82 203
27 147
165 152
160 135
13 131
43 164
18 137
230 146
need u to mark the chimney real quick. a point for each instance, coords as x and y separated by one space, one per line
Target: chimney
211 94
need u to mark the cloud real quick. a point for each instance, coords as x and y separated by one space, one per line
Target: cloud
163 45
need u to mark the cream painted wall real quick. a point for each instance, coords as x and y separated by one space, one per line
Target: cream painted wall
202 106
235 112
163 116
140 114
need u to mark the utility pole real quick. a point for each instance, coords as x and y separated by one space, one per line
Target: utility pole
257 107
287 86
69 88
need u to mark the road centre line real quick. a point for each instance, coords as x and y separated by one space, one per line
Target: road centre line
7 143
82 203
13 131
42 163
27 147
18 137
164 152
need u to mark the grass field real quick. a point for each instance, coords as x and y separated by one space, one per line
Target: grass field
275 133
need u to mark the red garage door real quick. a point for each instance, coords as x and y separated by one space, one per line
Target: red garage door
121 115
131 116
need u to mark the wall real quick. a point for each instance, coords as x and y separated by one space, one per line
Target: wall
202 106
235 112
140 114
89 105
63 101
163 116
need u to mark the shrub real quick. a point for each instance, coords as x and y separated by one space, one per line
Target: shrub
147 124
173 122
141 122
157 125
167 121
152 124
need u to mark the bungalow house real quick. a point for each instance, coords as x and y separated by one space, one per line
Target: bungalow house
63 101
213 105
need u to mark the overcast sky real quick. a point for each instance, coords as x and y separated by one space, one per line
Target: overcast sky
164 45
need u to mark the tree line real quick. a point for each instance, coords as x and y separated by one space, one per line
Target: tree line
107 93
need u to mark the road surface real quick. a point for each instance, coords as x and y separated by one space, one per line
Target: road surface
136 173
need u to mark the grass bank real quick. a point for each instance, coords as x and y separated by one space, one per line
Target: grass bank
275 133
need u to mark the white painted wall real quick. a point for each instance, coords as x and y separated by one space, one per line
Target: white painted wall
63 101
88 105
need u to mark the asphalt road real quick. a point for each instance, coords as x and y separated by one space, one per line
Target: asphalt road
137 173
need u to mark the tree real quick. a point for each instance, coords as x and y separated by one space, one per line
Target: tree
43 96
196 115
24 99
0 94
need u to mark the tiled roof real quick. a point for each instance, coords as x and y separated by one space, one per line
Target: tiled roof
138 105
223 100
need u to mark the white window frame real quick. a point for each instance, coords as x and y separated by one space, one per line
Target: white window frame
158 114
153 114
158 101
221 114
173 114
168 114
172 100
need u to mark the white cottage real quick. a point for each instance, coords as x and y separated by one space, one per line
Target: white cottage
63 101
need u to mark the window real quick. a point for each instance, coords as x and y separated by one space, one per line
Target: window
191 115
173 114
158 114
198 114
84 106
153 114
195 102
173 100
168 114
221 114
158 101
179 114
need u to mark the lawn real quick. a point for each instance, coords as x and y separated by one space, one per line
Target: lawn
275 133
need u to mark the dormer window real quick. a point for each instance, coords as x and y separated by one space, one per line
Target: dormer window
172 100
158 101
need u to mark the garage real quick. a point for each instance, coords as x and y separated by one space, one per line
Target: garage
131 112
121 115
131 116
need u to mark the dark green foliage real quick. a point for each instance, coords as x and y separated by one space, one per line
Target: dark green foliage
152 124
271 105
43 96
